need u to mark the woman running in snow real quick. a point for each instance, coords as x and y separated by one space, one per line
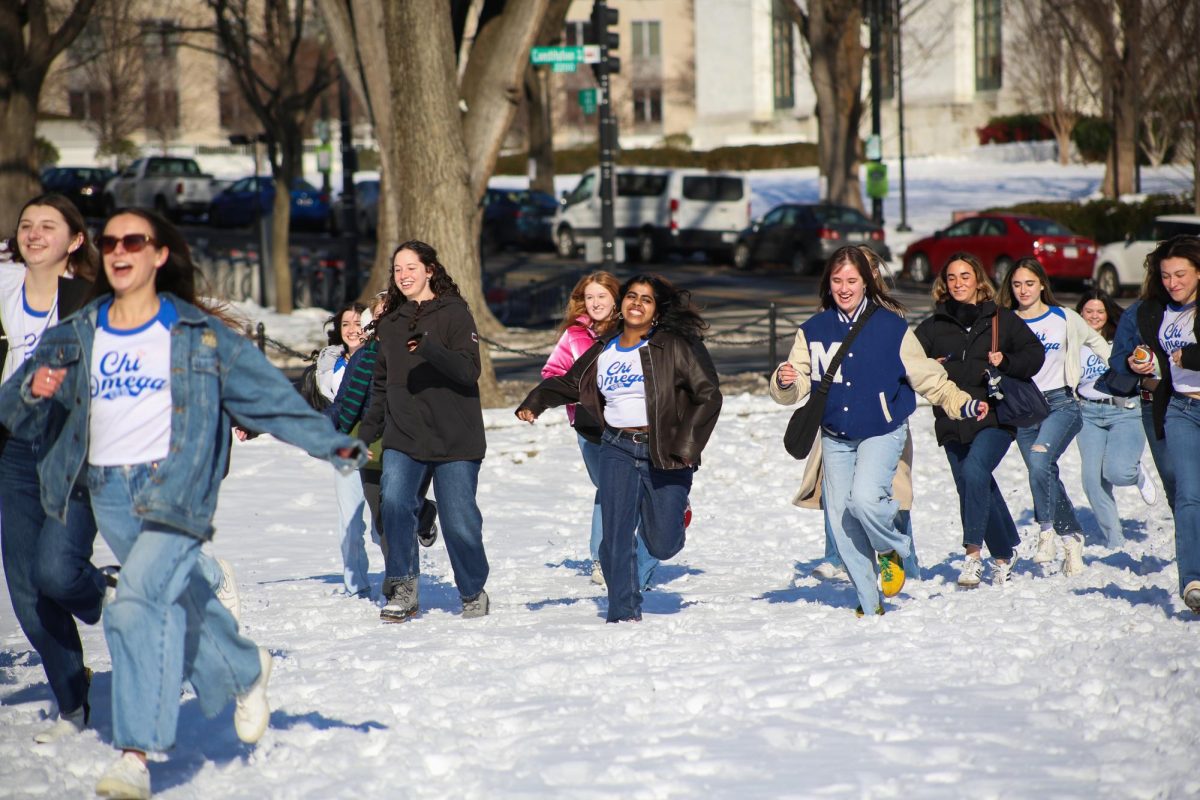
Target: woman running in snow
149 381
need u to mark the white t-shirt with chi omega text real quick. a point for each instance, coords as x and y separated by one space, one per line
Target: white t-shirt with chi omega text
1094 367
130 420
22 325
1178 329
621 381
1051 330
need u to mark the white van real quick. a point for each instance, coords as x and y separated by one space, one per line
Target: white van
659 211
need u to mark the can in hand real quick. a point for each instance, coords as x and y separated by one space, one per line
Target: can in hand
1144 355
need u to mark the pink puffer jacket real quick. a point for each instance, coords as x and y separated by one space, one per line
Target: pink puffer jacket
574 342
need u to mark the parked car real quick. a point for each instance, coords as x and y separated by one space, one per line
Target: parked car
998 240
235 206
366 208
805 235
171 186
84 185
518 218
658 211
1122 265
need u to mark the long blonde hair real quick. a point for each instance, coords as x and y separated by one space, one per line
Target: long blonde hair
576 307
984 289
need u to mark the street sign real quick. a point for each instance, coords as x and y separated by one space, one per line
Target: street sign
877 180
563 66
587 101
585 54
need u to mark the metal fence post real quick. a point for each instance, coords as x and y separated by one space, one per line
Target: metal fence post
772 354
260 336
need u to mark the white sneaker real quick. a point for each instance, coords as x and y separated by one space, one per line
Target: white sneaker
827 571
1072 544
597 574
1002 571
227 591
1146 486
253 712
1191 596
972 568
66 725
126 779
1045 547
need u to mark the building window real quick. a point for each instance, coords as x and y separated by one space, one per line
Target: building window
988 62
646 40
647 106
783 57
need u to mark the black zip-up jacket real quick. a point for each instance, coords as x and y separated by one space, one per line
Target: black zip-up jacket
1149 321
683 397
962 335
426 403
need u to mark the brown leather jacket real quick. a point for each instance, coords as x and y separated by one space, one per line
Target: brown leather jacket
683 397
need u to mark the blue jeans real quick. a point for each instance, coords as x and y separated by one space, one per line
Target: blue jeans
1158 452
856 490
1110 448
454 485
48 568
1183 432
352 527
912 564
985 515
646 562
165 624
633 489
1041 446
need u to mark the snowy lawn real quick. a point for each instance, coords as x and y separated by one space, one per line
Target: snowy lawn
746 679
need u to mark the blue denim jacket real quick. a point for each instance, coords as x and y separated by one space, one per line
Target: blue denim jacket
217 378
1120 380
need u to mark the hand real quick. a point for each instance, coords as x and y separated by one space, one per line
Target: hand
414 342
1140 368
347 452
46 381
983 411
1177 357
995 357
526 415
241 433
687 462
786 375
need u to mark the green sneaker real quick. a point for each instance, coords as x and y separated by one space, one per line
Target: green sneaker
858 612
891 573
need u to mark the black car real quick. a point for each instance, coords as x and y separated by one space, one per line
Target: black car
805 235
518 218
84 185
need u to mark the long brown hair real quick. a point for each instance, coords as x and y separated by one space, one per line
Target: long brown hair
984 289
577 308
874 290
1009 300
85 261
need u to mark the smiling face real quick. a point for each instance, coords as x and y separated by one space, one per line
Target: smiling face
132 273
1180 278
638 308
412 276
598 302
1026 288
45 239
847 287
1094 314
961 282
351 330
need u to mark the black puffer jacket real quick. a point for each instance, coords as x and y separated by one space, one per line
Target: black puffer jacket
683 397
426 403
962 335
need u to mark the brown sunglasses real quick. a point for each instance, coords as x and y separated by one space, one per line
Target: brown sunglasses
132 242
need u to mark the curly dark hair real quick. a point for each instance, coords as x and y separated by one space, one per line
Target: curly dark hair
334 334
440 282
1180 246
673 307
1111 309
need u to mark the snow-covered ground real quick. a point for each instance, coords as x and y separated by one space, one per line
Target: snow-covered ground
746 678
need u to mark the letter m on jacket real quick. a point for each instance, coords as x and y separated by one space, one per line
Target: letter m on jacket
822 356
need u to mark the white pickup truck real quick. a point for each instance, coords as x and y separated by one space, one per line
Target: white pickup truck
171 186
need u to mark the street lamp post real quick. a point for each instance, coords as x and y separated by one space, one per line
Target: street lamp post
903 226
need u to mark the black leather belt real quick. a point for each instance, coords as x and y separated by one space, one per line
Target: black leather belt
637 437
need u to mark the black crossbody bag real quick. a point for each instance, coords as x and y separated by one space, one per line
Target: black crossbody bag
806 421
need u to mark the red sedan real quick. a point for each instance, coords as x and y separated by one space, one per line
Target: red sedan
998 240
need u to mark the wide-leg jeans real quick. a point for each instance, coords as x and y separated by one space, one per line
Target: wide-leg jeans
632 489
1159 453
856 489
1110 442
985 516
352 529
401 495
1041 446
166 624
1183 432
49 572
591 460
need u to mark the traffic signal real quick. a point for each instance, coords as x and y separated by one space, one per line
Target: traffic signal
604 18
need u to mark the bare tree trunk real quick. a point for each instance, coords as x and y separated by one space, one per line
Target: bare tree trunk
18 170
831 29
539 100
